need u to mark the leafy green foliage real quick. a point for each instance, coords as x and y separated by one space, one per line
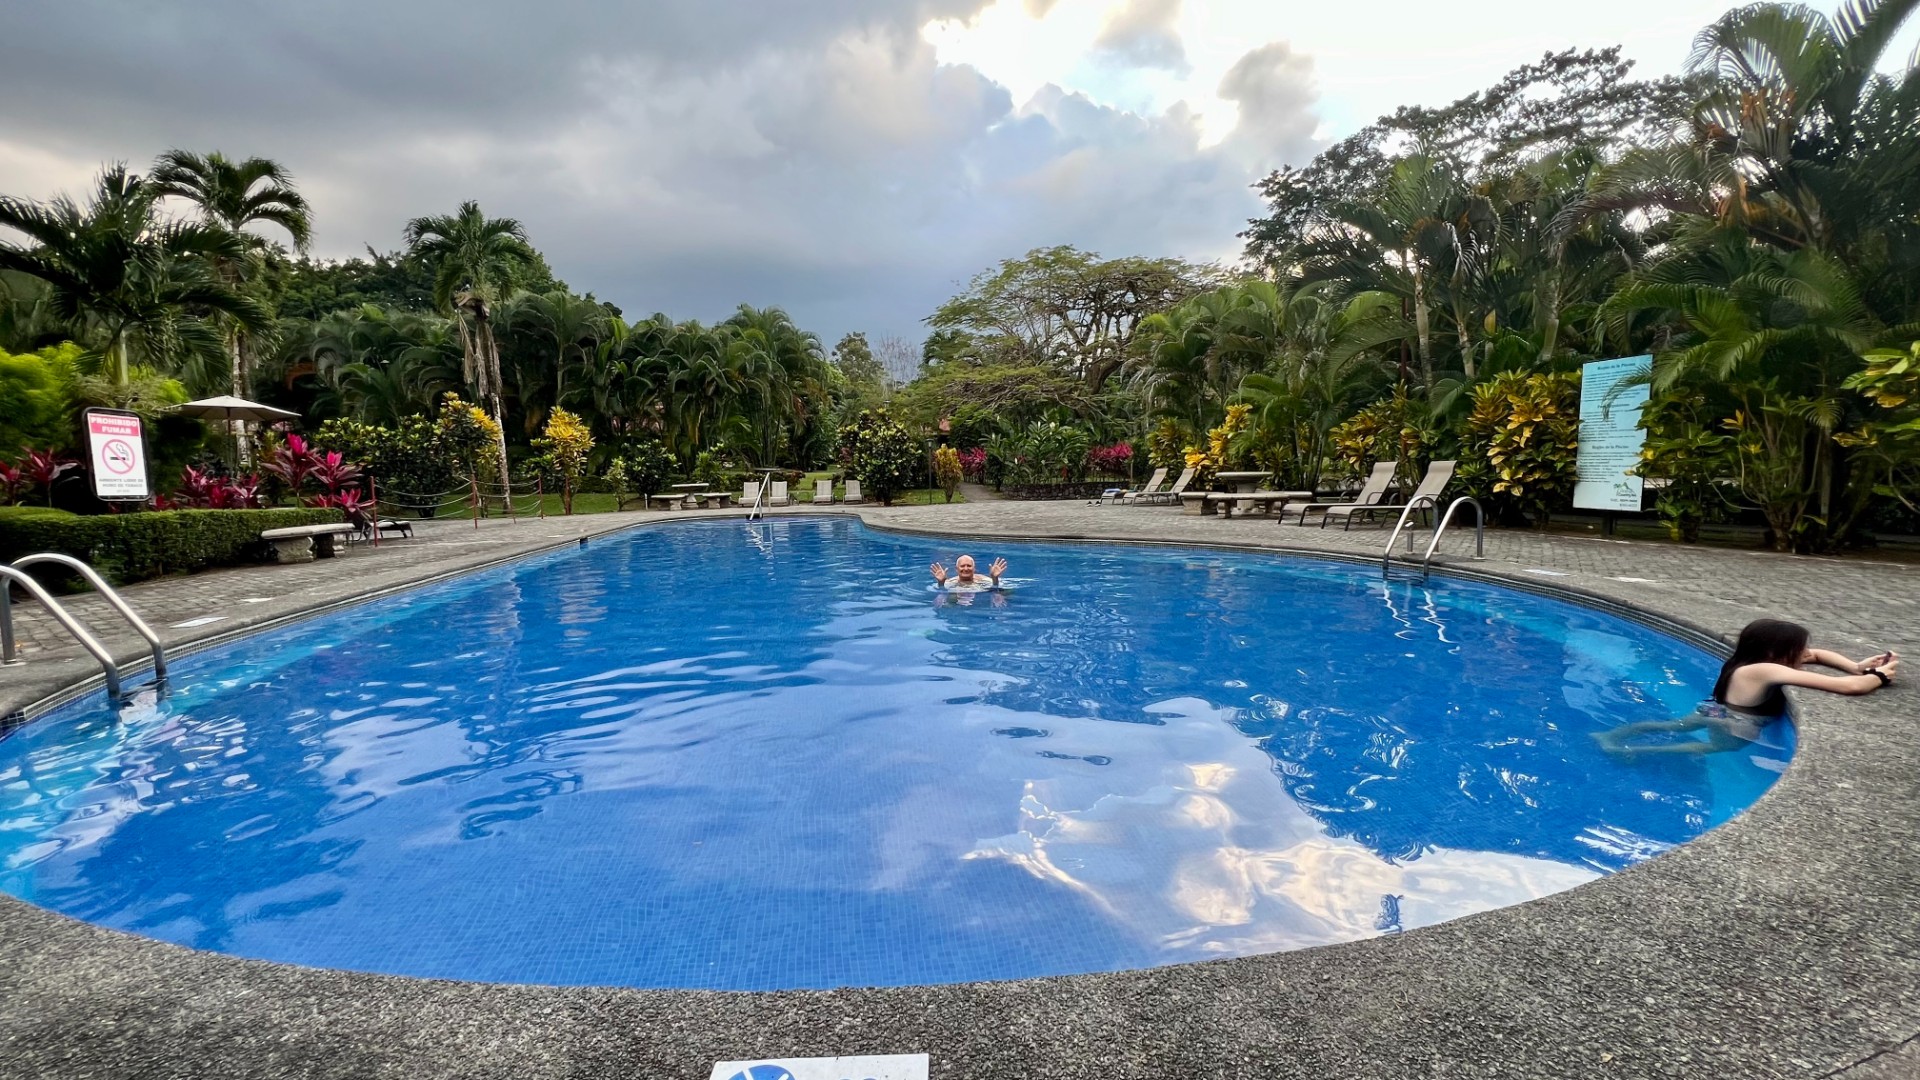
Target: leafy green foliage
564 445
1062 308
1520 443
133 547
37 397
947 472
881 455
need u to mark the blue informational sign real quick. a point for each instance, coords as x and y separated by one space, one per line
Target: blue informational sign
1610 435
888 1067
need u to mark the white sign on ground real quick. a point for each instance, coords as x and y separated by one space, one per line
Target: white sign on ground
890 1067
1610 435
118 454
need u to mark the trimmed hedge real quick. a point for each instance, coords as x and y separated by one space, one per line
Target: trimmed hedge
134 547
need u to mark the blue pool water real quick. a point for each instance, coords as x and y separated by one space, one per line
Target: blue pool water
709 754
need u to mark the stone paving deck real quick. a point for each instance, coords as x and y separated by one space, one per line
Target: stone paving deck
1786 944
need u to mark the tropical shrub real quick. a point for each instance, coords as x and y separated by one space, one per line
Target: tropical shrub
947 471
1115 460
643 467
134 547
881 453
38 471
1688 457
564 445
1520 442
1885 447
1394 428
1226 448
973 463
1166 445
36 397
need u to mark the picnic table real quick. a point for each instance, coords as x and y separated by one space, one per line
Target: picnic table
1242 481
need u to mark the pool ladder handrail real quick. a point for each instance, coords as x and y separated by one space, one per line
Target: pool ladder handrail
1432 503
112 597
61 615
759 509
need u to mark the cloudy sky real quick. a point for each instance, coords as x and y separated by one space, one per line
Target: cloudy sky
850 160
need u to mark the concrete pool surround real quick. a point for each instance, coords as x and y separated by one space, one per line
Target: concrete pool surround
1785 943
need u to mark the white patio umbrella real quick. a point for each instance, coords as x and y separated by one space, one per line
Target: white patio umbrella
231 409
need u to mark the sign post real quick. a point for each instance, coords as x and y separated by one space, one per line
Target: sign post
1610 437
117 452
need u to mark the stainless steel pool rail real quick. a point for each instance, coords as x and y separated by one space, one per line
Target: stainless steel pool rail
61 615
15 574
1428 502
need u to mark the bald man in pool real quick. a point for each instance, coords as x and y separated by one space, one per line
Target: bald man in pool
963 576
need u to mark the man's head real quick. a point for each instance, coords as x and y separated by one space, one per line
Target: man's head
963 567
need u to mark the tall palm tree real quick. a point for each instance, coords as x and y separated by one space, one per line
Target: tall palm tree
474 259
233 195
128 284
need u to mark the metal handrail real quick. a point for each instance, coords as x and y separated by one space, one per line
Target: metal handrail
760 497
1413 504
1479 534
112 597
62 616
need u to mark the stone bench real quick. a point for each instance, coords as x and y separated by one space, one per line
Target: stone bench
668 502
304 543
1228 501
716 500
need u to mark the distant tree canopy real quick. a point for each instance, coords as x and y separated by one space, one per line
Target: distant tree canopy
1567 102
1062 308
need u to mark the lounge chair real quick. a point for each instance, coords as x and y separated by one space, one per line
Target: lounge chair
1428 494
1372 493
779 497
750 493
852 493
1150 487
823 491
1172 494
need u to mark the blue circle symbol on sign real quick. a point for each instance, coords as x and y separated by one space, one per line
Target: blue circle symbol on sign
764 1072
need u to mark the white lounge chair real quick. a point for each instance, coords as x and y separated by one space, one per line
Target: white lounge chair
1427 494
823 491
852 492
1372 493
779 497
750 493
1150 487
1173 493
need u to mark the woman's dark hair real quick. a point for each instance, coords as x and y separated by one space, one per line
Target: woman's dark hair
1764 641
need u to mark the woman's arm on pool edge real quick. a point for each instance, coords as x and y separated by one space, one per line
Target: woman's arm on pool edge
1782 675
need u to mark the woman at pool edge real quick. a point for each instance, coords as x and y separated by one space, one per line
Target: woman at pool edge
963 576
1748 694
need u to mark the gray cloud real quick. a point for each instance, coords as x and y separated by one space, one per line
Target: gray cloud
684 158
1142 34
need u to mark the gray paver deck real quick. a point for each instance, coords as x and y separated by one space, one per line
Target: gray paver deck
1785 944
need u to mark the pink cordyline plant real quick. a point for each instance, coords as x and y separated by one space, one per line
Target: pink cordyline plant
291 462
1111 460
13 483
334 471
43 467
973 462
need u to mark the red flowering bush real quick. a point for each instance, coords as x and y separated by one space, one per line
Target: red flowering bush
1112 460
974 463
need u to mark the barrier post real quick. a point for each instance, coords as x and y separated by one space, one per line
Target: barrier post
473 499
373 510
540 496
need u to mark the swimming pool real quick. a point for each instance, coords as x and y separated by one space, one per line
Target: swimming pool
712 754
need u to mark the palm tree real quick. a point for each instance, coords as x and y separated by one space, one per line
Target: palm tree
1424 230
125 282
572 327
475 259
233 195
